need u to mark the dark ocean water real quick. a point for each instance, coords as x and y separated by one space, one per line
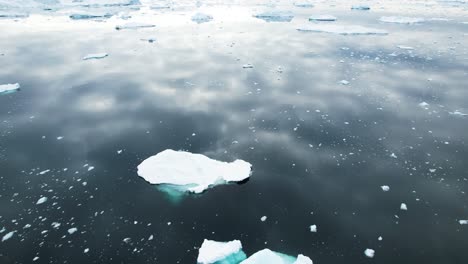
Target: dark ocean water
320 150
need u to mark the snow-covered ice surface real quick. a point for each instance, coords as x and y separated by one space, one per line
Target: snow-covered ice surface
327 121
342 29
189 172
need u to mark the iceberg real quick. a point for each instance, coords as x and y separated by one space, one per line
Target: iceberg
42 200
95 56
13 15
463 222
304 4
9 88
369 253
182 171
455 113
360 7
385 188
220 252
275 16
401 20
271 257
8 236
342 29
201 18
89 16
403 207
134 25
322 18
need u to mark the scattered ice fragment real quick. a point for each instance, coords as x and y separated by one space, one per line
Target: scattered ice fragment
463 222
44 172
55 225
72 230
189 172
385 188
401 20
313 228
360 7
380 238
403 47
342 29
220 252
424 105
89 16
403 207
247 66
41 200
369 253
119 151
275 16
13 15
263 218
134 25
86 250
344 82
9 88
35 258
95 56
8 236
90 168
201 18
150 237
458 113
267 256
150 40
304 4
322 18
393 155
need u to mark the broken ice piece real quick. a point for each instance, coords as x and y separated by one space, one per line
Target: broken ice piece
8 236
369 253
341 29
463 222
95 56
313 228
188 172
72 230
458 113
385 188
201 18
304 4
401 20
344 82
134 25
150 40
9 88
220 252
322 18
360 7
275 16
41 200
263 218
247 66
271 257
89 16
403 47
403 207
423 105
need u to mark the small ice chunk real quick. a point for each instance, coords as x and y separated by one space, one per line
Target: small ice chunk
247 66
81 16
90 168
423 105
263 218
150 40
458 113
218 252
313 228
385 188
401 20
403 47
8 236
344 82
72 230
95 56
304 4
275 16
119 151
201 18
380 238
9 88
41 200
393 155
360 7
13 15
322 18
369 253
267 256
342 29
134 25
463 222
191 172
86 250
403 207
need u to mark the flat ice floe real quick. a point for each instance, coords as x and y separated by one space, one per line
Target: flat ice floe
188 172
402 20
275 16
322 18
201 18
9 88
272 257
360 7
134 25
82 16
304 4
342 29
8 236
95 56
215 252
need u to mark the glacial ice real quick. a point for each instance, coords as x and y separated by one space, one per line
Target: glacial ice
322 18
220 252
369 253
385 188
401 20
271 257
463 222
9 88
41 200
95 56
134 25
188 172
313 228
8 236
403 207
342 29
458 113
201 18
275 16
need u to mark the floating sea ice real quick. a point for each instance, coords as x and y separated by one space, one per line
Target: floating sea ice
275 16
86 250
95 56
247 66
393 155
9 88
385 188
72 230
13 15
458 113
403 207
41 200
159 7
423 105
263 218
344 82
188 172
150 40
134 25
267 256
405 47
402 20
313 228
220 252
89 16
369 253
360 7
463 222
201 18
322 18
342 29
8 236
304 4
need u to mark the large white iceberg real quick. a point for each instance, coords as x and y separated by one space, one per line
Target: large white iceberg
188 172
342 29
220 252
402 20
9 88
267 256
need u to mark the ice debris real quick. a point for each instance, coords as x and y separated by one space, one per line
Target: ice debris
8 236
89 16
9 88
458 113
271 257
220 252
385 188
313 228
72 230
95 56
403 207
402 20
304 4
263 218
134 25
189 172
275 16
360 7
201 18
463 222
41 200
247 66
322 18
342 29
369 253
